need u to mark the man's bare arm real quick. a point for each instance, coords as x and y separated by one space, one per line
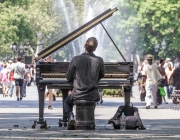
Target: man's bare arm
143 80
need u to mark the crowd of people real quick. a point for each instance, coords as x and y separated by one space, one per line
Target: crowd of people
160 73
16 74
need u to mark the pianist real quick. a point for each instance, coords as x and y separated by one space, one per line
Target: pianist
84 71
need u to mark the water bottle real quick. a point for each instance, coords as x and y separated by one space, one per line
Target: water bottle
122 122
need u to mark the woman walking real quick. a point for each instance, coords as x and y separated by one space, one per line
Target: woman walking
164 79
169 71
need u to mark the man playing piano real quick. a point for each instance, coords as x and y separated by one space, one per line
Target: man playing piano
84 71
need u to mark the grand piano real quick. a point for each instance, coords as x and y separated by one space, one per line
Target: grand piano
52 74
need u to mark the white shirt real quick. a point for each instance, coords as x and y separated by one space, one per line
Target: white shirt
152 73
19 69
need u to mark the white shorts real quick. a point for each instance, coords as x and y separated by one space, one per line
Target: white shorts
49 90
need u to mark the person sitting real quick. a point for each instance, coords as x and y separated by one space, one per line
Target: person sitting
84 71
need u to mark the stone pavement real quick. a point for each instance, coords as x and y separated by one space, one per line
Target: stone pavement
163 122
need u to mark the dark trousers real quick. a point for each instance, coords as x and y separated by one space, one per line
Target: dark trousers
68 104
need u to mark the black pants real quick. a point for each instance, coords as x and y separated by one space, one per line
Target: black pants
68 104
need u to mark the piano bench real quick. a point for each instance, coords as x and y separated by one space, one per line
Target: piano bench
84 115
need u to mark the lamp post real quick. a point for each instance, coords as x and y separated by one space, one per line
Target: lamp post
156 49
21 50
163 44
14 49
17 50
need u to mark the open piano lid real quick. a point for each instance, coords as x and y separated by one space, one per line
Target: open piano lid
75 34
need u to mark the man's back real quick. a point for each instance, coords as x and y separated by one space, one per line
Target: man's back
85 71
19 69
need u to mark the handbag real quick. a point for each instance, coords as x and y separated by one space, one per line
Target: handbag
161 91
142 94
133 120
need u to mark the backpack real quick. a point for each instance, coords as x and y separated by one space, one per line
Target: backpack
133 120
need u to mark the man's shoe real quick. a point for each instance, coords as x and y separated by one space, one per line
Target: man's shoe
155 107
71 123
21 98
17 99
101 101
147 107
50 107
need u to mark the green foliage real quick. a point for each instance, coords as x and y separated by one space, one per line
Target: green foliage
21 21
159 20
113 92
136 27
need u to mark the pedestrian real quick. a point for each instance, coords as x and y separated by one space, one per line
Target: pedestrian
1 66
28 75
12 83
164 79
11 77
84 72
150 79
139 76
25 81
19 72
176 77
49 92
169 71
32 73
168 60
4 80
100 95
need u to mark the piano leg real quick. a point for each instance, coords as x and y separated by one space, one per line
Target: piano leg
41 91
64 119
127 94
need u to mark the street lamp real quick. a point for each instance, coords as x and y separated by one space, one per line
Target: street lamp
156 49
14 48
163 44
21 50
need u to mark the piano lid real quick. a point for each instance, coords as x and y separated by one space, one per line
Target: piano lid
76 33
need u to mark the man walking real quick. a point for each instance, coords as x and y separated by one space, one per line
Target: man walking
19 72
151 76
84 71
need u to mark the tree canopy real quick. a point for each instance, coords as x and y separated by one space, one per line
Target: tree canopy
137 26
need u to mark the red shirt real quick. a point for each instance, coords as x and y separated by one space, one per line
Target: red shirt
12 76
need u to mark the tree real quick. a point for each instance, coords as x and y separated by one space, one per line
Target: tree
13 25
159 20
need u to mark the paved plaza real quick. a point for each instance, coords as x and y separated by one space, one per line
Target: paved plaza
17 117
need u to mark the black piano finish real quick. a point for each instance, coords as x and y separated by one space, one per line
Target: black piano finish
54 68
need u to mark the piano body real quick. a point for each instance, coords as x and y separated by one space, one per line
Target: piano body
52 74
